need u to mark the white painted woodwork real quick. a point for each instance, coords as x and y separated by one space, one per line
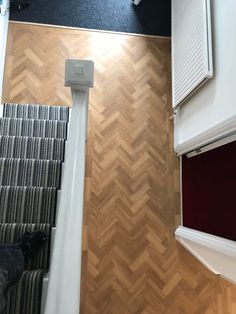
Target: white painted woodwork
63 295
213 145
210 113
191 47
216 253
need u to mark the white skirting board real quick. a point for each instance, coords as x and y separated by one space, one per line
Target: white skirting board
222 130
216 253
4 18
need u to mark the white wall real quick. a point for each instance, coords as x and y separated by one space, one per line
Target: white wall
3 39
215 102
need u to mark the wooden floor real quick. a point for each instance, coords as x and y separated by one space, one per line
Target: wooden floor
131 261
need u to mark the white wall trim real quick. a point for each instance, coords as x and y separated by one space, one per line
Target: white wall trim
216 253
213 145
213 242
223 129
177 129
189 248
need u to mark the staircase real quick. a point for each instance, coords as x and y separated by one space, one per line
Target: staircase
32 146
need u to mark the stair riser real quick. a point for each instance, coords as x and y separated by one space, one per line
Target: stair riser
42 112
33 128
25 298
31 148
28 172
27 205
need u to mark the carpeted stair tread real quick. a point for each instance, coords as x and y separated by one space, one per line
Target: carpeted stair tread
30 172
12 233
32 111
32 147
33 128
27 204
25 297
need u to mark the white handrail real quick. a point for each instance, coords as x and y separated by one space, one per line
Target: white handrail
63 296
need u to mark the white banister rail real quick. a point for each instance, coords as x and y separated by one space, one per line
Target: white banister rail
63 295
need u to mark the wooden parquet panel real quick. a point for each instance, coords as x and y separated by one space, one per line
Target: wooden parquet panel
131 261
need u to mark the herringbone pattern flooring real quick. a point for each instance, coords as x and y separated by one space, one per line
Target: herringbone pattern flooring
131 261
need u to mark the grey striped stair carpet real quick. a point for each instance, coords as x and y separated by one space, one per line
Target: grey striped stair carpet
42 112
30 172
32 148
25 298
33 128
27 204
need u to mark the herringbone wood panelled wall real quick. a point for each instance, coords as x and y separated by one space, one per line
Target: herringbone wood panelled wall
131 261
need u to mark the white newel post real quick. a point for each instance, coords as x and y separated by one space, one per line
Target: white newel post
63 296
